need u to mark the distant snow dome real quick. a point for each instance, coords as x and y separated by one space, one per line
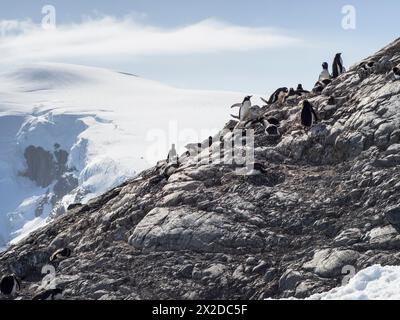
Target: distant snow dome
69 133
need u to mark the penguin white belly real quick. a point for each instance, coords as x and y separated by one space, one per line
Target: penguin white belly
245 111
281 97
324 75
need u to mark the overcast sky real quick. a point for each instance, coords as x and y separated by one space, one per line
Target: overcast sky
248 46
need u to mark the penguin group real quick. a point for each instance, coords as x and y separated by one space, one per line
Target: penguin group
325 78
382 65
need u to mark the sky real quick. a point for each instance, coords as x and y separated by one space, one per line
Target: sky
252 46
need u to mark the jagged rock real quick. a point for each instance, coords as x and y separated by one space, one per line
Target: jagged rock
392 215
348 237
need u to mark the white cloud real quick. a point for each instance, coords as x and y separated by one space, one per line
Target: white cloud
23 41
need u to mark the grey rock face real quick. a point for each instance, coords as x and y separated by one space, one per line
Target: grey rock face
327 202
186 229
329 263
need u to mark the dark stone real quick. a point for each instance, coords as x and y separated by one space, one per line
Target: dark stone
392 215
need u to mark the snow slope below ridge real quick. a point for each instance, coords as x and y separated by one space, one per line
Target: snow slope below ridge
112 124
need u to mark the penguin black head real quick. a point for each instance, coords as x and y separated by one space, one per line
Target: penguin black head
396 71
273 121
291 91
325 65
300 87
248 98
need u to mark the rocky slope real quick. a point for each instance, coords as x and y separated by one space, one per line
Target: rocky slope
326 204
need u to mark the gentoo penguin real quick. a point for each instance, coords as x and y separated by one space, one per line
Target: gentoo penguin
291 96
52 294
308 115
272 130
337 66
396 73
61 254
10 285
244 110
370 66
172 155
300 91
325 72
366 68
277 96
254 116
321 85
318 88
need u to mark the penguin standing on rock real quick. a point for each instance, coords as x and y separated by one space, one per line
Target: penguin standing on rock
291 96
10 285
172 155
244 110
61 254
52 294
277 96
337 66
325 72
272 130
308 115
321 85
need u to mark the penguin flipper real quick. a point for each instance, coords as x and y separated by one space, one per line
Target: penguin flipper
265 101
235 117
237 105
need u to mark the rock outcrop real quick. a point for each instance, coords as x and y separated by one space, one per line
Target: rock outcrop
327 202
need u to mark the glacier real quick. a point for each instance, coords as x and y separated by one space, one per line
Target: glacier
69 133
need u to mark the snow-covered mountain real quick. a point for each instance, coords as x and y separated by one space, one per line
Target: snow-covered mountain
69 133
